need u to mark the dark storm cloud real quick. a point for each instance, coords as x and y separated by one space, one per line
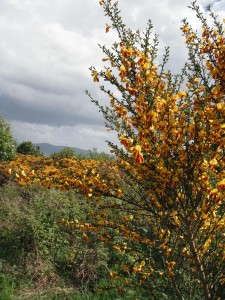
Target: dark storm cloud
12 109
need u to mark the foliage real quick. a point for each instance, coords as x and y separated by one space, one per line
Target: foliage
37 254
94 154
171 129
45 256
64 153
68 152
27 147
7 142
6 288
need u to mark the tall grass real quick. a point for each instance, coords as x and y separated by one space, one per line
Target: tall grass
38 254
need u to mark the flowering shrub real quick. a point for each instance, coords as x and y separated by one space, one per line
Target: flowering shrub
160 205
172 135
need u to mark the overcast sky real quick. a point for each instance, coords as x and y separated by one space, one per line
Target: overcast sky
46 49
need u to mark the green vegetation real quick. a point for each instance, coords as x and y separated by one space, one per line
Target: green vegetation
94 154
64 153
27 147
37 254
7 142
68 152
42 259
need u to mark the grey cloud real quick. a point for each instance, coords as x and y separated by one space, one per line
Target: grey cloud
56 111
84 137
46 48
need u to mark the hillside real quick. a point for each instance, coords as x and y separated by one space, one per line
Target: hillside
49 149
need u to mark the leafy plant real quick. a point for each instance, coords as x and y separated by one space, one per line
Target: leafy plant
27 147
94 154
38 253
6 288
67 152
171 131
7 142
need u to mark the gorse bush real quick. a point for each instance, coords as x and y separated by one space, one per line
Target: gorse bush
171 129
56 172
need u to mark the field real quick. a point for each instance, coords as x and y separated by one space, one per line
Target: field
44 254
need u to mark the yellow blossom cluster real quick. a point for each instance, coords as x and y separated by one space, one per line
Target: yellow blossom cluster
86 176
172 136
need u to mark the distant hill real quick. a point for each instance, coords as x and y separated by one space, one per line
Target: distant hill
49 149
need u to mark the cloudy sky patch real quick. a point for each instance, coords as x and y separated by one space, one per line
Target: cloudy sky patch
46 49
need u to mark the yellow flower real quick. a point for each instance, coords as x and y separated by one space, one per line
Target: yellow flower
138 157
142 263
122 71
188 85
85 237
219 106
146 65
196 80
182 94
185 29
32 173
213 162
107 27
221 184
108 74
95 76
117 248
9 171
119 193
23 173
126 52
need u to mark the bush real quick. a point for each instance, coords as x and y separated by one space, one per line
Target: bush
66 152
7 142
39 253
171 132
94 154
27 147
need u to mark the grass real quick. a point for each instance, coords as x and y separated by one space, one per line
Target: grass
37 254
41 259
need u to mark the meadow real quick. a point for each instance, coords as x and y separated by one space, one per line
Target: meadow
43 255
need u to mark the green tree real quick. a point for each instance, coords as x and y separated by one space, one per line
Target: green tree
7 141
65 153
27 147
94 154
